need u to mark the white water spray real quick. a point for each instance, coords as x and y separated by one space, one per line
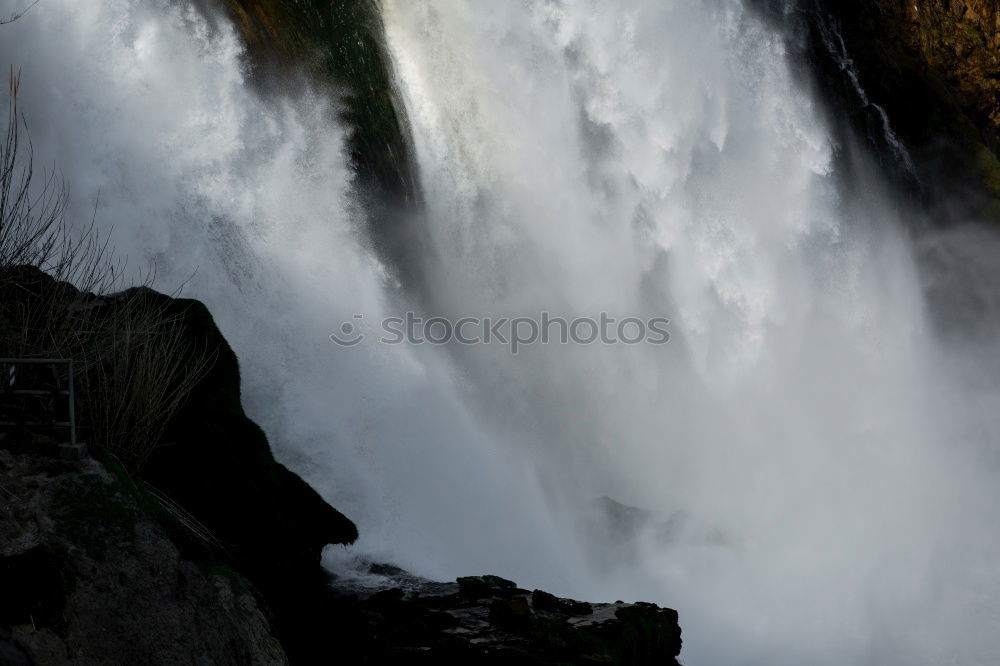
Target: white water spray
825 463
245 202
818 469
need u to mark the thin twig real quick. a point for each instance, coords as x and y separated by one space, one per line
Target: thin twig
17 15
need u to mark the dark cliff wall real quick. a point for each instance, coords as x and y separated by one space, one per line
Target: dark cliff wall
931 68
168 564
89 577
339 44
954 41
213 467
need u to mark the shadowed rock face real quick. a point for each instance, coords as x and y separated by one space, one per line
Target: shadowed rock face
930 70
339 46
490 620
92 574
89 578
216 465
214 461
338 43
957 41
101 568
934 65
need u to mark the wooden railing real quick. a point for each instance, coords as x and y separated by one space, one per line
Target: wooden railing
38 393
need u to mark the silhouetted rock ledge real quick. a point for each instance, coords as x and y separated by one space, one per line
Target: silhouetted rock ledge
214 484
211 555
490 620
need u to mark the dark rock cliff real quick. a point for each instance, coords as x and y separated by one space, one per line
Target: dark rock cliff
217 465
211 549
954 41
489 620
92 574
339 45
88 577
237 505
923 73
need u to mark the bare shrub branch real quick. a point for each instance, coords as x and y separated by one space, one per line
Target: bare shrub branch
136 363
142 368
16 15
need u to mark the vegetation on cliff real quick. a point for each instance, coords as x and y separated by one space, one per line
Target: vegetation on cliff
340 45
959 42
158 397
935 67
931 69
90 576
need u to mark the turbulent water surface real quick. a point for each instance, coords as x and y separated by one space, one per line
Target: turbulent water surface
815 449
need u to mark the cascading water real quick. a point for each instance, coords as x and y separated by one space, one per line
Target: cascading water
800 436
146 110
815 446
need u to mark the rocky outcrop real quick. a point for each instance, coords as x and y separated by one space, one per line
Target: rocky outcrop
88 577
100 567
918 82
91 573
217 464
266 522
239 506
340 45
934 66
957 41
490 620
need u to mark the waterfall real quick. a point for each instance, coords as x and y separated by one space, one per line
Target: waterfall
807 437
813 452
146 110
